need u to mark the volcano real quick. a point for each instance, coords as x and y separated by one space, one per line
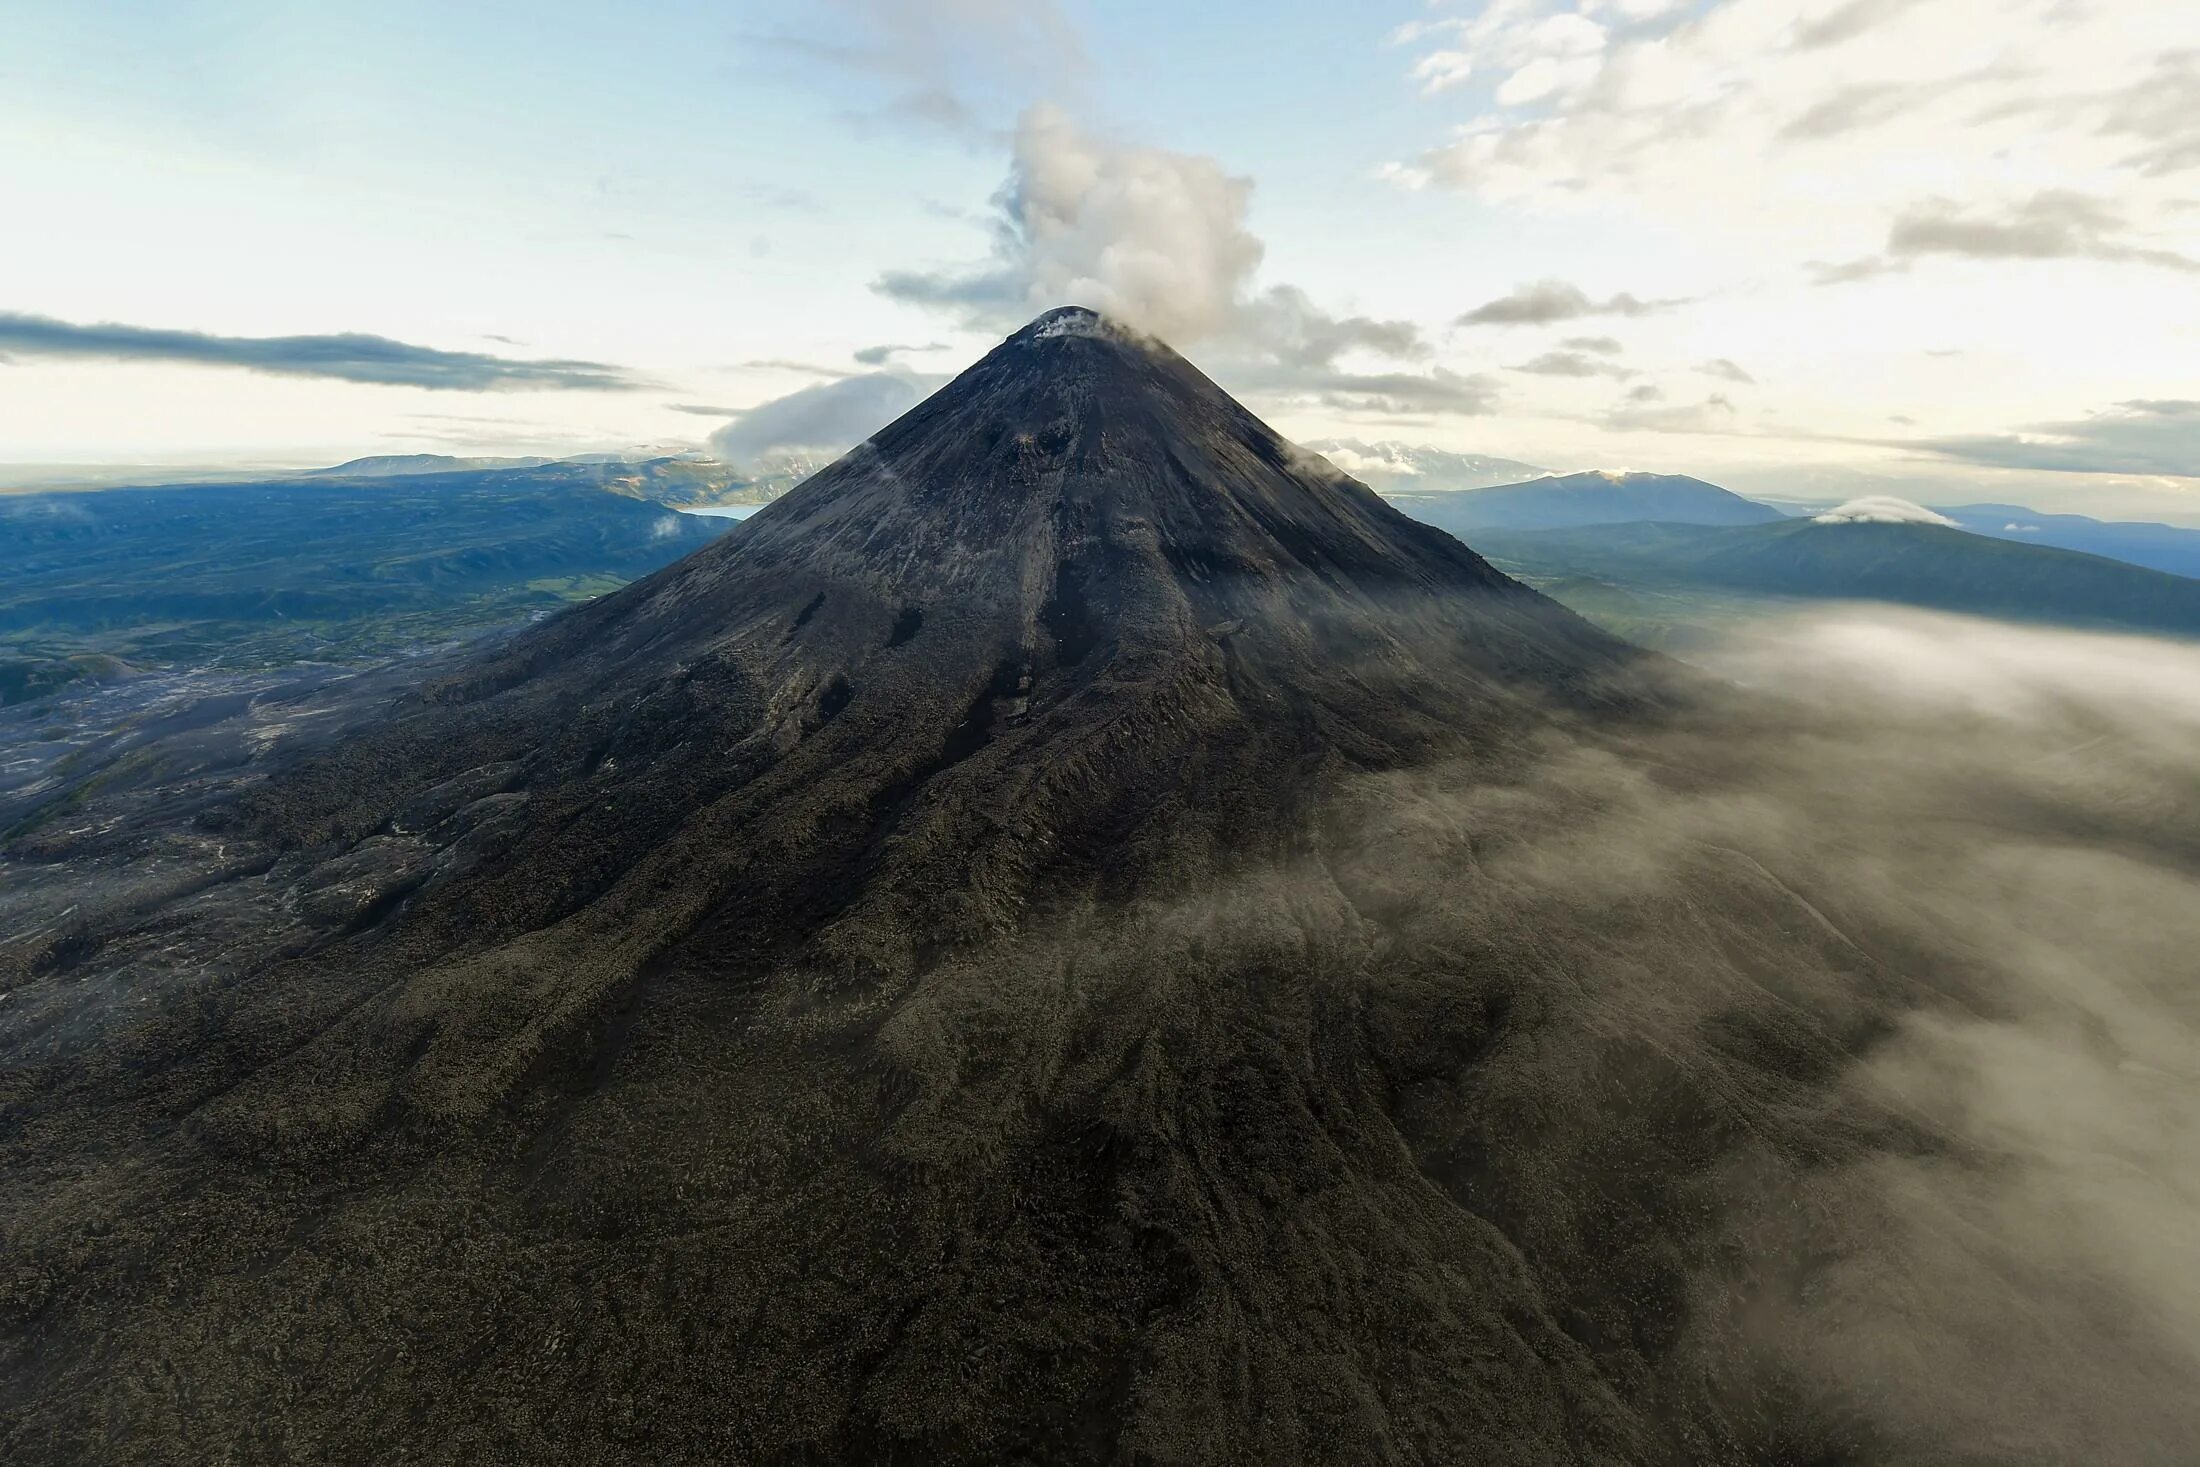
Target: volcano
925 978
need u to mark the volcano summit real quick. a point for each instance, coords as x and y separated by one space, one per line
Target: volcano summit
1054 941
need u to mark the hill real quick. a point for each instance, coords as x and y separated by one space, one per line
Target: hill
1389 465
400 465
1585 499
265 573
2171 548
1906 564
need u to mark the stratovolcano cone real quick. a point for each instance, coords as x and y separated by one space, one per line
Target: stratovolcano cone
859 994
1077 604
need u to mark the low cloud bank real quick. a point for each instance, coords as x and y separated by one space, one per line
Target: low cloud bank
821 421
1958 1209
1822 1052
1881 509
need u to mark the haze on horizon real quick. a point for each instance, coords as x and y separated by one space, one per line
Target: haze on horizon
1941 250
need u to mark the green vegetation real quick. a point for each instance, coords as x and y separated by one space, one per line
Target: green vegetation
260 575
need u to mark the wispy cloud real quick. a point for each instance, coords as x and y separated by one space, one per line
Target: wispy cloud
2055 224
1545 302
1570 364
942 64
879 356
791 364
1437 391
345 357
2147 436
1644 414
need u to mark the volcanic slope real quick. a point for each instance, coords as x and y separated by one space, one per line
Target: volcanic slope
926 978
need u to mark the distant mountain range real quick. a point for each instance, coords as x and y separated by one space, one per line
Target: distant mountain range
683 481
1392 467
2169 548
1909 564
400 465
1632 549
367 558
1585 499
356 562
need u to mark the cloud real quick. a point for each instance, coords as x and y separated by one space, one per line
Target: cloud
946 64
825 419
1846 21
790 364
1714 414
1441 70
1725 369
2161 110
1377 394
1570 364
1603 345
1390 464
1996 1256
2157 437
347 357
1160 241
879 356
1850 109
1848 272
1768 125
1542 302
2056 224
1860 1005
1881 509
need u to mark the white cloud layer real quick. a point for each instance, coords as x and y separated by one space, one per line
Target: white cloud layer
1831 193
1881 509
1950 121
820 421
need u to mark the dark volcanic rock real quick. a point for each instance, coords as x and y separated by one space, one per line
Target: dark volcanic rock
922 979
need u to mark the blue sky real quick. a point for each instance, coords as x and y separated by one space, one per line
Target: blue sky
1822 246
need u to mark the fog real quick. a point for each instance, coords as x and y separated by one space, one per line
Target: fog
1984 1239
1832 1051
1806 1070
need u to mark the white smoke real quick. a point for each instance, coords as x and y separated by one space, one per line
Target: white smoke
1155 238
1158 241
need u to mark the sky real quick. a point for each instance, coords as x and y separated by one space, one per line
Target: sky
1947 250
